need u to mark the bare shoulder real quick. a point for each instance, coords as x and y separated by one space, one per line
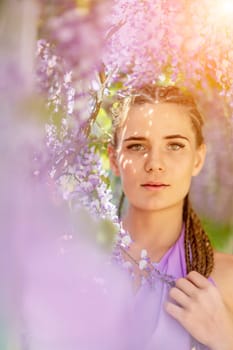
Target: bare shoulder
223 276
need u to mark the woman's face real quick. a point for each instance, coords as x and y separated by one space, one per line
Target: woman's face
156 155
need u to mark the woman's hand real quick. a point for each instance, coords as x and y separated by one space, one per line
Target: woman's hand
201 311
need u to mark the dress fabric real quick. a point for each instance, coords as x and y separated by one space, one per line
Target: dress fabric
152 326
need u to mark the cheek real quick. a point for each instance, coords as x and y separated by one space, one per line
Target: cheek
129 175
127 171
127 165
182 163
183 174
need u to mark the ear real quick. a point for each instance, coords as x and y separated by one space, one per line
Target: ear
199 159
112 154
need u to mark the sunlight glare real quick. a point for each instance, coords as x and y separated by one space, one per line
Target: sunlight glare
224 8
221 13
227 7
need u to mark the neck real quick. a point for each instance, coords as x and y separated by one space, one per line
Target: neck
155 231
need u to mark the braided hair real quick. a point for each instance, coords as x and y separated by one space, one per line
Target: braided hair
199 254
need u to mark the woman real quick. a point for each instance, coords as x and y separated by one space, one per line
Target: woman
157 148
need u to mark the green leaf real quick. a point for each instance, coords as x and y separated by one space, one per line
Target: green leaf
219 233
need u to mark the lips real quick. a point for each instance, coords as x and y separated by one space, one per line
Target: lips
155 184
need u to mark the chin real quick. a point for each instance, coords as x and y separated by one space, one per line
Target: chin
151 207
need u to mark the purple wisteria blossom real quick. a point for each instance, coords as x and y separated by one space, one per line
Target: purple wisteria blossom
157 40
77 33
54 82
139 43
74 166
85 185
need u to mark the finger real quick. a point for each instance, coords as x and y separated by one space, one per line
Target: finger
175 311
179 297
198 280
186 286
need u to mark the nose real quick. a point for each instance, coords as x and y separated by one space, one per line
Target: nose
154 162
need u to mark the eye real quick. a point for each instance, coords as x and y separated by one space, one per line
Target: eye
175 146
136 147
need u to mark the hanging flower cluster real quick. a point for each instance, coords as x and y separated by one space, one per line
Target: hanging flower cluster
74 165
77 33
74 32
54 82
158 39
138 42
85 185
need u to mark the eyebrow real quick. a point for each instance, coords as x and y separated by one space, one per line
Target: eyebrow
136 138
168 137
177 136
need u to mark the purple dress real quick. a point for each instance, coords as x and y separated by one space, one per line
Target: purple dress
152 327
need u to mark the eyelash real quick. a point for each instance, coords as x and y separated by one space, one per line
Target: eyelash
180 145
136 145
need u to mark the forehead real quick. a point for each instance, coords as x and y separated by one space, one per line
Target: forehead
160 118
